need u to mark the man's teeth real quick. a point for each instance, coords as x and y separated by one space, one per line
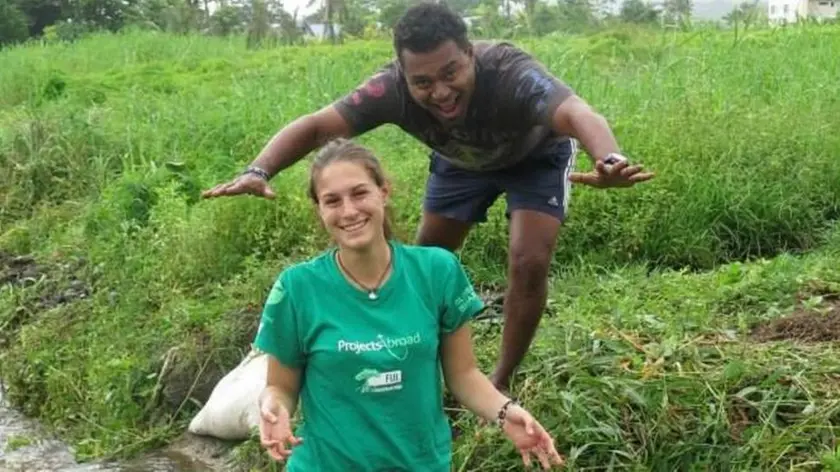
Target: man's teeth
448 107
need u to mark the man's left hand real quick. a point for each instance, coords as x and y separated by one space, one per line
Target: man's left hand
620 174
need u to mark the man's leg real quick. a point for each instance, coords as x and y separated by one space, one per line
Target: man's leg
537 194
455 200
532 242
438 230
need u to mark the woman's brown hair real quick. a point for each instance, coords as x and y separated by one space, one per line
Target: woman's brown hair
345 150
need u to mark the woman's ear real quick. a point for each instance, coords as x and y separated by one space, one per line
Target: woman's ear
317 209
386 193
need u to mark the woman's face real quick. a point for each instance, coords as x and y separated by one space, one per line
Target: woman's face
351 205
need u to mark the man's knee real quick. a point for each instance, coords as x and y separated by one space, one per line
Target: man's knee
533 237
437 230
529 269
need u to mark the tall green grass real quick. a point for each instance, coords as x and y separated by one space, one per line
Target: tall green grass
107 143
734 131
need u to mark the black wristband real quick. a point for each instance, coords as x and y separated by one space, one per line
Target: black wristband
257 171
613 158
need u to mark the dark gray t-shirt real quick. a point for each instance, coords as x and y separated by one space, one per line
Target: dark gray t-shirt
509 115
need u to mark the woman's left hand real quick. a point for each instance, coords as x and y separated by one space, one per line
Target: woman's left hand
530 438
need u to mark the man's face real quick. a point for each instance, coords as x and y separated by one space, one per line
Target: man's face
441 81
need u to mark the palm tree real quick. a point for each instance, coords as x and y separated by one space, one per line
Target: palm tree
328 11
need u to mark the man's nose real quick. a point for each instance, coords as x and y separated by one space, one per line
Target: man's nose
440 91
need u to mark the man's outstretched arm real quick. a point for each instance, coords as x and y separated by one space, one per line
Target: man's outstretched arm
374 102
574 117
300 137
285 148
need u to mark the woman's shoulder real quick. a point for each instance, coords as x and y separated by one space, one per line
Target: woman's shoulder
303 273
432 258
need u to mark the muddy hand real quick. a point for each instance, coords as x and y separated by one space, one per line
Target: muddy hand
244 184
621 174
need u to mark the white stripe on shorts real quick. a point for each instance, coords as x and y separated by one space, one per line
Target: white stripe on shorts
567 184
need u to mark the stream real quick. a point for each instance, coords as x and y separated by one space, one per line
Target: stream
25 446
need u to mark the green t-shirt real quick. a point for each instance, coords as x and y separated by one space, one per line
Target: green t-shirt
372 391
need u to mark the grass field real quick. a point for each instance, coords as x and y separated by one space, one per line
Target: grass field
646 362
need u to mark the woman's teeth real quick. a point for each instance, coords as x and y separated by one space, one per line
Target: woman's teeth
355 226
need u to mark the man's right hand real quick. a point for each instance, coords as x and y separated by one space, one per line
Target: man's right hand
244 184
288 146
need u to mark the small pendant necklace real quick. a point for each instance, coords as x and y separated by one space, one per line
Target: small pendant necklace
372 295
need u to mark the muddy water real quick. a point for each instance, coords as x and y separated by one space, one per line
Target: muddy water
26 447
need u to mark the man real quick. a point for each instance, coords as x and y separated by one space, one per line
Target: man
497 122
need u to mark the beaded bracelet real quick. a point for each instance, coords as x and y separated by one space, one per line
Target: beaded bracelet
503 412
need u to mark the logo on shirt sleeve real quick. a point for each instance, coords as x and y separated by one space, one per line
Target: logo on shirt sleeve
278 292
465 298
375 87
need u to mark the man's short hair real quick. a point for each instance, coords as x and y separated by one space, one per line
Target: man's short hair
425 26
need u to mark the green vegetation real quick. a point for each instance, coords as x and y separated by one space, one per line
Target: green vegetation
16 442
276 22
646 360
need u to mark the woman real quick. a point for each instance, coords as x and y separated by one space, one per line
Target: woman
359 332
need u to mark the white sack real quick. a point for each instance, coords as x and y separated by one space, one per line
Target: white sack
232 411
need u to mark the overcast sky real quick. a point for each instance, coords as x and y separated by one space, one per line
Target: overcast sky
702 8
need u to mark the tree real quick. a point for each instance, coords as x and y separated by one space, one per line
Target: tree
226 20
101 14
746 13
13 23
577 15
637 11
43 13
677 11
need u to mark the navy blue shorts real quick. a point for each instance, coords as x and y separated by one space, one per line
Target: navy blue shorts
540 182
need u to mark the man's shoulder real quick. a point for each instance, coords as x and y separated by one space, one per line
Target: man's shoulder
389 70
500 55
303 273
378 99
494 45
387 75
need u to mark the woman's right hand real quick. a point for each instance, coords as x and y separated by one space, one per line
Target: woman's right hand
275 429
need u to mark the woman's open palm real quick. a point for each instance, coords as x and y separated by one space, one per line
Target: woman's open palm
276 431
530 438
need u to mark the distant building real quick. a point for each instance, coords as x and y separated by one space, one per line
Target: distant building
790 11
316 31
